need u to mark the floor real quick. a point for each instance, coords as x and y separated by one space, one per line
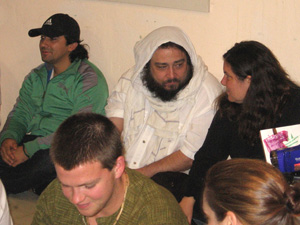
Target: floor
22 207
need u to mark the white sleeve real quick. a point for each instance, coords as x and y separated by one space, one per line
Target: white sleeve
5 217
202 114
116 100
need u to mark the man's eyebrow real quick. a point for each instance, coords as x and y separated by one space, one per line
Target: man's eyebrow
84 184
180 60
160 64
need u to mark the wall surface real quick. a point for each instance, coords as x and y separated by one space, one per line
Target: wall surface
111 29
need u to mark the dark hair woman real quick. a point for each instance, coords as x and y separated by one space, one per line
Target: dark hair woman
259 94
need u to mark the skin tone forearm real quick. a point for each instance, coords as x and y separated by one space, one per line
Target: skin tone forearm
187 205
118 122
177 161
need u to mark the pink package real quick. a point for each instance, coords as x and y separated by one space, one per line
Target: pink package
275 141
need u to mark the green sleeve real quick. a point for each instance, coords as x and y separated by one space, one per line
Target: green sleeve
90 94
41 216
22 113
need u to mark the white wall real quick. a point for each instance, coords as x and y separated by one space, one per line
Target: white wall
111 30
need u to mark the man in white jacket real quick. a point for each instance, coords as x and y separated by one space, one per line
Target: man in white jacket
163 106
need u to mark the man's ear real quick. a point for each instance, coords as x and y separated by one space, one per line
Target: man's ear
119 168
72 47
231 219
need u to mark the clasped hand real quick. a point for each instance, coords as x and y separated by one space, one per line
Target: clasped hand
11 153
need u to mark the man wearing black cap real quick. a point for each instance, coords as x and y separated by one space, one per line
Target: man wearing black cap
66 83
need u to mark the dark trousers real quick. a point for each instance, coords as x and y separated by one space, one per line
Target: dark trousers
35 173
175 182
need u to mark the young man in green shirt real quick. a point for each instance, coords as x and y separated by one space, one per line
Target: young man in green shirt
93 185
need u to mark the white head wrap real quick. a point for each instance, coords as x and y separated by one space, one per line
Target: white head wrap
164 111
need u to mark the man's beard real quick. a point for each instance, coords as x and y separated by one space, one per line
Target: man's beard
158 90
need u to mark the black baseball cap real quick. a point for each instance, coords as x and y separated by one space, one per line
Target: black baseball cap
57 25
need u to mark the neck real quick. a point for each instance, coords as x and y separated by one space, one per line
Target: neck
61 67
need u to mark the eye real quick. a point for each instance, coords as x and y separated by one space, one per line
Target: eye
54 38
178 65
161 67
227 76
90 186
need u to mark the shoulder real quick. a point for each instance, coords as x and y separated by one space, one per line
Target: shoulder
87 67
296 94
293 101
126 81
51 193
210 87
54 206
143 184
53 196
291 110
154 201
90 75
37 71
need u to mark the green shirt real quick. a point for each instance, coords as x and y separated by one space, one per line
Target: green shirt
42 106
146 203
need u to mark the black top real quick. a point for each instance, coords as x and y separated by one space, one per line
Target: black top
222 140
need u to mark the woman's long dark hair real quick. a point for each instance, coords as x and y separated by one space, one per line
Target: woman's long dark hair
267 94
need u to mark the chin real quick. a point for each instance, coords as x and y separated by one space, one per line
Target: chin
87 213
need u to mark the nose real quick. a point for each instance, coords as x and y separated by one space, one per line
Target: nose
77 196
223 81
171 73
44 42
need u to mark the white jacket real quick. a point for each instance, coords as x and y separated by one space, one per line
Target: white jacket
154 129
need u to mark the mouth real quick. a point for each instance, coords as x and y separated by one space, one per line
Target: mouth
82 206
45 52
171 83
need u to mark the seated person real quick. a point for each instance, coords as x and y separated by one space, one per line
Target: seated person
163 106
65 84
249 191
259 95
93 186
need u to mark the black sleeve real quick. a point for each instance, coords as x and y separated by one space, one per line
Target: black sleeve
215 148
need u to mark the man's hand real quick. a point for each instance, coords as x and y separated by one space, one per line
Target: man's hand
187 205
20 157
8 147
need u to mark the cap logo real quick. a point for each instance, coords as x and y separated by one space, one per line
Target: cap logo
48 22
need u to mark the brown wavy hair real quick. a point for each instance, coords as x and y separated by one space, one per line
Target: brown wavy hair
268 92
255 191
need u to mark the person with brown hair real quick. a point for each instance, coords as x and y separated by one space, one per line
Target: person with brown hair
93 184
249 191
259 95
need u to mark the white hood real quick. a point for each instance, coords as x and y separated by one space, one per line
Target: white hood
145 48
